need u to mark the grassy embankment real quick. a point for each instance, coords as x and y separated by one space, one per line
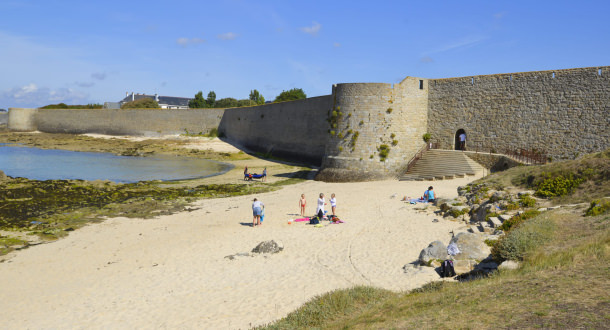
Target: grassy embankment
563 280
38 211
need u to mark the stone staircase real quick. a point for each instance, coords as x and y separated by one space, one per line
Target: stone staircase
437 164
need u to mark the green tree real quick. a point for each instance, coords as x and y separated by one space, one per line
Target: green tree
291 95
227 102
257 97
245 103
198 102
211 99
144 103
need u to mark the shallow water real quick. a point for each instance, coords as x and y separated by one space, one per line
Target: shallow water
41 164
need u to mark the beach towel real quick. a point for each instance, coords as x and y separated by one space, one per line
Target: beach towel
301 220
417 200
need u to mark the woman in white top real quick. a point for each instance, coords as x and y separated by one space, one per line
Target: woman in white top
333 203
321 203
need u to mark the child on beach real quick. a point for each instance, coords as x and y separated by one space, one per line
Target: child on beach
333 203
257 211
302 204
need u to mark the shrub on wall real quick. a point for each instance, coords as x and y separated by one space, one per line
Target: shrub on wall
384 151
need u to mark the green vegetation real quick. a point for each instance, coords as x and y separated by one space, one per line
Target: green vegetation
427 137
51 203
354 139
143 103
597 207
394 143
384 151
518 219
562 182
389 111
554 186
256 97
291 95
198 102
78 106
527 201
456 213
523 237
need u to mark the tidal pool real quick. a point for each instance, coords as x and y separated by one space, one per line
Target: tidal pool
42 164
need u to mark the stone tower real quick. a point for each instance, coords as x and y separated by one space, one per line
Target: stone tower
374 129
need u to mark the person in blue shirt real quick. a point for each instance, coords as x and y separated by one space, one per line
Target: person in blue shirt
429 195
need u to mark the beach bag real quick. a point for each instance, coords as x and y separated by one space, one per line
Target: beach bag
447 269
314 221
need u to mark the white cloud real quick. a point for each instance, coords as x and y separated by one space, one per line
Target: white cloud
313 29
84 84
500 15
31 95
186 41
426 59
227 36
98 75
458 44
336 44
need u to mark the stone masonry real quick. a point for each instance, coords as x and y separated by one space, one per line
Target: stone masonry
368 131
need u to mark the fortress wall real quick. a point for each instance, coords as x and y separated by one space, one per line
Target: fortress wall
147 122
295 130
564 115
367 116
22 119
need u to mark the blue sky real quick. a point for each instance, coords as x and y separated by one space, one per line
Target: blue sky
81 52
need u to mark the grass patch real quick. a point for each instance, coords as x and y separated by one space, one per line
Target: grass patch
523 238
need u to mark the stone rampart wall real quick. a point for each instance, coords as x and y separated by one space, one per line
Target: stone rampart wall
368 118
295 130
564 113
146 122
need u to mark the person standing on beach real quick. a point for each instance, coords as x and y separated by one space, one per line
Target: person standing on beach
302 204
257 211
264 175
321 203
333 203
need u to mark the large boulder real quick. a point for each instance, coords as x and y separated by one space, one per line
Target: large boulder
472 246
436 250
268 247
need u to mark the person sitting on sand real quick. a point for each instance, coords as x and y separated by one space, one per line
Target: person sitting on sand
333 203
257 211
302 204
429 195
321 203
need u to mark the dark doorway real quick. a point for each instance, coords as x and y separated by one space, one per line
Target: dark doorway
458 143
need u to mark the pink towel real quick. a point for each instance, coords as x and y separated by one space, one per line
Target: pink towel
301 220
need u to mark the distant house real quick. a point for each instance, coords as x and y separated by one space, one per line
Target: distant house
165 102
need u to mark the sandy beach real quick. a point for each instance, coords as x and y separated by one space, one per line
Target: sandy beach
172 271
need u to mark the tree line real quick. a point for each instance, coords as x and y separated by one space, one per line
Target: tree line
255 98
